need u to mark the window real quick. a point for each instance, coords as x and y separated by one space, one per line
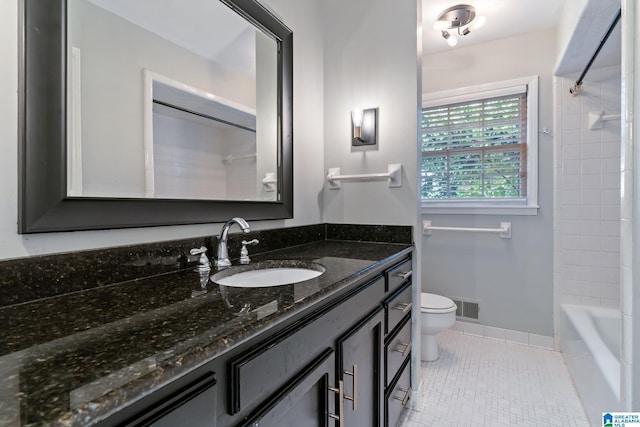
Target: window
479 149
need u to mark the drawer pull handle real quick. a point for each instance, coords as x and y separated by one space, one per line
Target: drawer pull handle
340 392
403 274
353 374
405 348
404 307
405 398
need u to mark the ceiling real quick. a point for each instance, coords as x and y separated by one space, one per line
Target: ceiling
507 18
504 18
207 28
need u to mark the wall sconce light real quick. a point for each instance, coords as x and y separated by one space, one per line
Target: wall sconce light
364 127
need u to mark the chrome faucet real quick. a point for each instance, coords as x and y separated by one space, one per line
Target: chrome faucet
222 255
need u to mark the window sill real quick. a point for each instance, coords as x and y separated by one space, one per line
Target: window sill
428 208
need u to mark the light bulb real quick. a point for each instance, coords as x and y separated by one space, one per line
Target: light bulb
356 117
452 41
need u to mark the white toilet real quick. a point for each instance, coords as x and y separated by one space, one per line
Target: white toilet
438 313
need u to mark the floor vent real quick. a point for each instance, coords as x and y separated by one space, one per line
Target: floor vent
467 309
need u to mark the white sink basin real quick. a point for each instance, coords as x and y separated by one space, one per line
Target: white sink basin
268 273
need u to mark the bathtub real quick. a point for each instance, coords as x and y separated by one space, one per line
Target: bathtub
590 339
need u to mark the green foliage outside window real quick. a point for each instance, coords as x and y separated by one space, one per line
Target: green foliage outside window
475 150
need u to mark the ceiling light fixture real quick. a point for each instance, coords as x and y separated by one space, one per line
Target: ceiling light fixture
461 18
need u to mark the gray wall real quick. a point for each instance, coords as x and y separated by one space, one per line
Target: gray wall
512 279
370 61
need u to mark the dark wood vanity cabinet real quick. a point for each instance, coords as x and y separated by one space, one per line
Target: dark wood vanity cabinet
344 364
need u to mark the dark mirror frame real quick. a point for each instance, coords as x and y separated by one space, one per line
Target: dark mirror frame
44 205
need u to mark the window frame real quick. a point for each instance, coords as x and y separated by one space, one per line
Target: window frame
483 91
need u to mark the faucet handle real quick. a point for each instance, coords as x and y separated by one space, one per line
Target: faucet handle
203 261
244 253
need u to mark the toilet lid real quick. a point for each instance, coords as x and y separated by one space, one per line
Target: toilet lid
435 302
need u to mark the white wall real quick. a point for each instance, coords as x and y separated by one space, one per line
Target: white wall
300 16
511 279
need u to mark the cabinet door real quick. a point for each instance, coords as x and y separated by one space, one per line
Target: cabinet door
308 400
360 368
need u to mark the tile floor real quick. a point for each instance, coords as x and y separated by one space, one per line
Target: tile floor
484 382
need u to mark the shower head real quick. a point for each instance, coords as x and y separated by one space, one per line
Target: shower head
576 89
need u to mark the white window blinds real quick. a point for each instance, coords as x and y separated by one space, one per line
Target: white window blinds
475 150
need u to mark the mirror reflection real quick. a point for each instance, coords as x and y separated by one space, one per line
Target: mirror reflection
171 100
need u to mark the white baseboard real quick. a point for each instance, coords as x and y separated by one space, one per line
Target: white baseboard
507 335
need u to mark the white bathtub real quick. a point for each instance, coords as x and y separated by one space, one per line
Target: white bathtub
590 339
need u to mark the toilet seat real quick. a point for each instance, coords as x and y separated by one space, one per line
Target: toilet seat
432 303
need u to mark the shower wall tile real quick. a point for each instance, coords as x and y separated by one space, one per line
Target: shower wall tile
590 197
610 303
592 181
610 180
571 151
571 121
610 228
611 165
571 182
611 275
590 301
611 150
608 289
591 228
587 193
610 213
591 150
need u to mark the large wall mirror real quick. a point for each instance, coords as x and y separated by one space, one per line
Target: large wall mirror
142 113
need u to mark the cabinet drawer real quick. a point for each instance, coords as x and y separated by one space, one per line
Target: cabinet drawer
193 405
398 396
397 275
397 350
397 307
271 363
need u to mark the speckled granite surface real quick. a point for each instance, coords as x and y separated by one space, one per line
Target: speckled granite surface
71 359
52 275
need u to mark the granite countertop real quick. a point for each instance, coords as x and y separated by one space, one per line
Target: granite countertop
74 359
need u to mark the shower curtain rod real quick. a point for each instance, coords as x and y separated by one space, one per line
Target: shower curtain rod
577 87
